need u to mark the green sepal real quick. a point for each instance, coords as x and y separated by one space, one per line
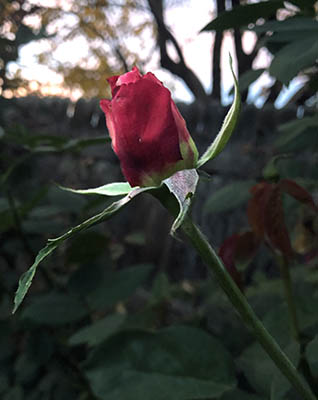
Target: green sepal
110 189
228 126
176 195
182 186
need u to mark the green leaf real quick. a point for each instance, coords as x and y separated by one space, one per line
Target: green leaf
66 201
289 25
303 53
88 277
5 176
183 186
7 342
40 346
86 247
118 286
56 144
4 383
136 238
240 395
283 38
110 189
43 143
228 197
291 130
227 128
15 393
55 309
258 368
243 15
304 4
79 144
262 374
312 355
161 289
9 208
98 332
26 369
26 279
177 363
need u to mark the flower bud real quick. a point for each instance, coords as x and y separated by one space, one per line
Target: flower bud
148 133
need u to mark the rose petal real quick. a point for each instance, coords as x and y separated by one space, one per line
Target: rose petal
130 77
150 76
106 106
112 82
146 134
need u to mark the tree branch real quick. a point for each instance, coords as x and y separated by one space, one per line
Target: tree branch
216 56
177 68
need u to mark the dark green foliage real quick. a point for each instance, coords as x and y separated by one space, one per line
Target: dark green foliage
117 286
111 317
228 197
175 363
243 15
312 355
100 322
291 41
55 309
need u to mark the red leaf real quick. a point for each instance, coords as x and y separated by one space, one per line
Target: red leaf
298 192
256 207
238 247
247 246
228 249
309 257
227 254
275 227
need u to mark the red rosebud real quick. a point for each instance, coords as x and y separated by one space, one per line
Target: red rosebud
148 133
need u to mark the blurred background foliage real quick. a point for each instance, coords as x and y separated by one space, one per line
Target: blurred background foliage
124 311
103 27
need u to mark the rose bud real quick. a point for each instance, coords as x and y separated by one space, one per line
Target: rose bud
148 133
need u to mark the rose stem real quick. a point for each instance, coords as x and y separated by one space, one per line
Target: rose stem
240 303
